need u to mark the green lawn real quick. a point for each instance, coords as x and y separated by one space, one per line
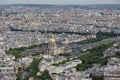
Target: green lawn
16 51
95 56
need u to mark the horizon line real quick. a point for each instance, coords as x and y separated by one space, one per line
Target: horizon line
57 4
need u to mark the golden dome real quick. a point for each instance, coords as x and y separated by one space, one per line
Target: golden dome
51 35
52 38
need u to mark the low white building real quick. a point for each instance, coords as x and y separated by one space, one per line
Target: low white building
71 64
26 61
7 77
8 70
54 69
7 57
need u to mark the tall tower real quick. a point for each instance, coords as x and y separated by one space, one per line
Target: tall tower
51 48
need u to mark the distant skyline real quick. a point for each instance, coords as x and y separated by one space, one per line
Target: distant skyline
60 2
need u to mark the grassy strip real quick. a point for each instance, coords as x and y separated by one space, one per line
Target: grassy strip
44 76
16 51
99 37
95 56
32 69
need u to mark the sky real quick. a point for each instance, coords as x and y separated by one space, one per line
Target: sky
60 2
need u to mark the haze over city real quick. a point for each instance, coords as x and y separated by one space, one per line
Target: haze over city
61 2
59 39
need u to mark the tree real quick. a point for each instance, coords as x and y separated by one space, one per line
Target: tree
96 77
45 75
